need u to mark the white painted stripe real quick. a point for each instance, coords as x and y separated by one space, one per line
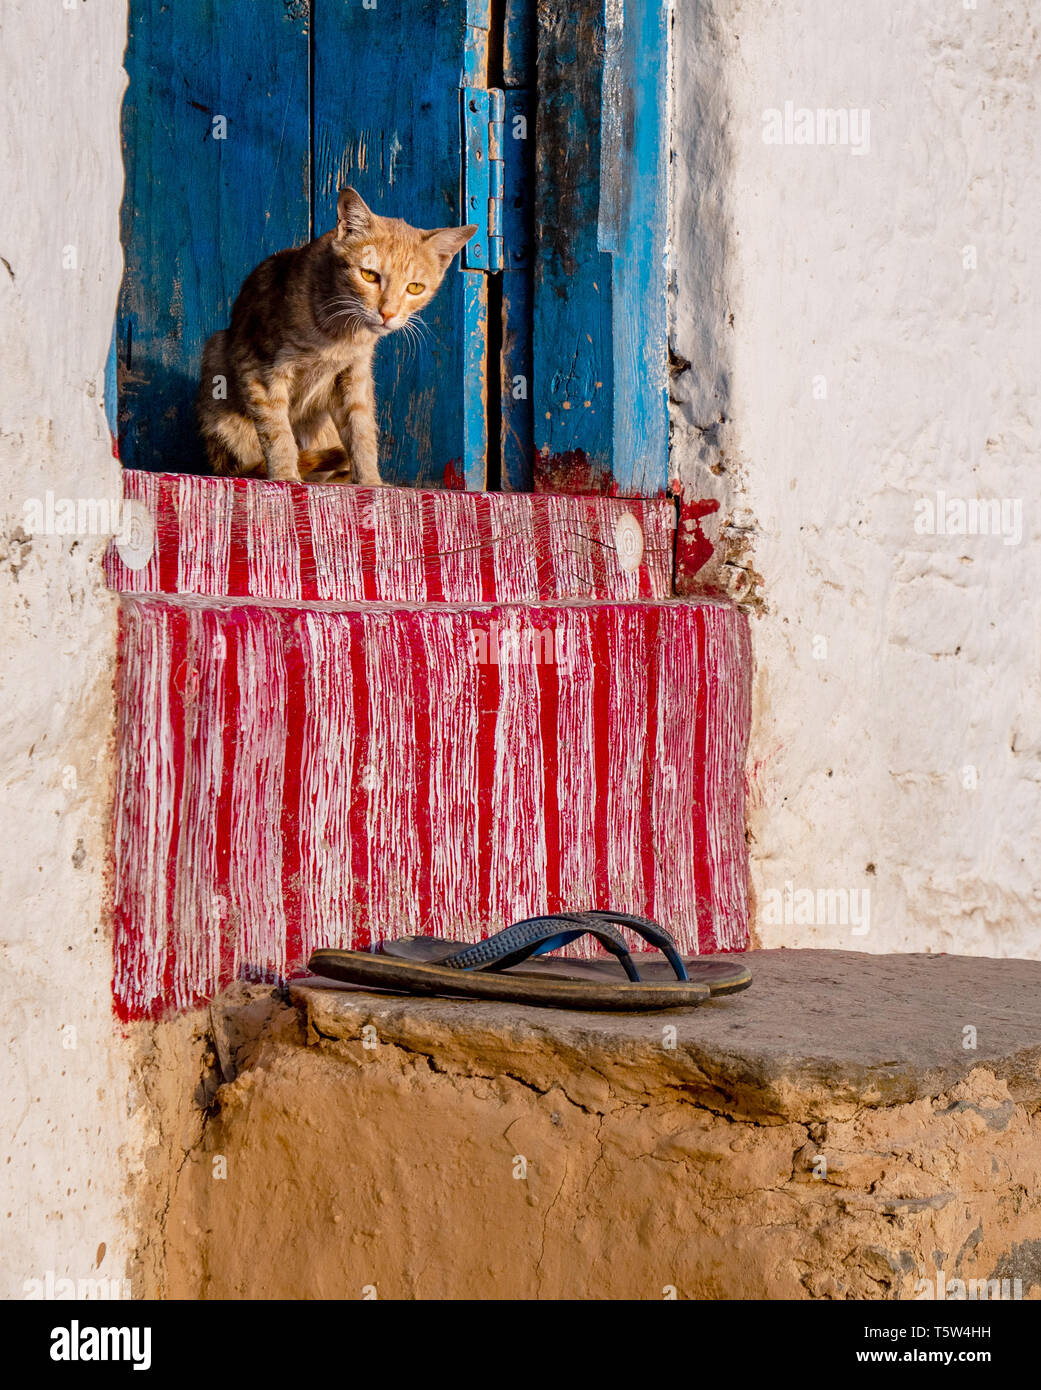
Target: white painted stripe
626 740
390 778
144 802
272 547
576 760
326 785
200 907
659 531
723 774
602 517
457 517
143 488
570 546
453 790
335 517
675 783
205 507
398 523
516 548
255 872
518 832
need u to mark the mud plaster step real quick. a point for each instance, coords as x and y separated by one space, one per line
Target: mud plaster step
819 1035
826 1134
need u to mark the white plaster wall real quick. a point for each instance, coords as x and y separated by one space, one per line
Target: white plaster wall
68 1140
910 742
832 265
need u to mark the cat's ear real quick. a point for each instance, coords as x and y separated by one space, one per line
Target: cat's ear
352 213
446 241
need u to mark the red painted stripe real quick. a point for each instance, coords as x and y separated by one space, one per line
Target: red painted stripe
702 866
651 846
361 776
549 626
295 750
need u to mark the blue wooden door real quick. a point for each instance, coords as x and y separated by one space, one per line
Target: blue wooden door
217 156
600 347
241 120
544 356
389 93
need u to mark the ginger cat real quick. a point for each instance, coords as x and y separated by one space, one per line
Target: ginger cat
288 388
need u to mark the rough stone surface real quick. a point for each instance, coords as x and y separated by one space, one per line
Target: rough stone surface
827 1134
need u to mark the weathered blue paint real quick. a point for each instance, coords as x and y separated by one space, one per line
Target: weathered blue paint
633 227
517 431
496 112
482 113
199 212
474 412
573 353
112 385
518 57
475 105
304 116
386 121
478 26
600 329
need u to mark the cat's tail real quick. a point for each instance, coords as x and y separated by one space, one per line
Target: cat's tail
334 461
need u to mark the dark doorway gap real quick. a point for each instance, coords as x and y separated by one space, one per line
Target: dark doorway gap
493 468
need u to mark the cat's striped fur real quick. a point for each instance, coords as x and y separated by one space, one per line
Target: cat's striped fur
287 389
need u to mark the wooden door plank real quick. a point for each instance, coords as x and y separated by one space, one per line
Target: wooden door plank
518 436
387 122
600 332
573 378
518 60
633 227
217 152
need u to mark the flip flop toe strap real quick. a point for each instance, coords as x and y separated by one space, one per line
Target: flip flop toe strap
536 936
650 931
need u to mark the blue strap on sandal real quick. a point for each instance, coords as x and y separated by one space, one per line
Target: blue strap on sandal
535 936
653 932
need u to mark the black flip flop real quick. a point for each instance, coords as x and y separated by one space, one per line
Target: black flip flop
501 967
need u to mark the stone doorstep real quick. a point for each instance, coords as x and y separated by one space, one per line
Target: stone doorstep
819 1035
825 1134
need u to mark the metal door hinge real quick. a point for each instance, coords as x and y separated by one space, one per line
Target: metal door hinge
483 113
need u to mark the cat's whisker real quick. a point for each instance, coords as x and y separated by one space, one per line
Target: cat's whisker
411 339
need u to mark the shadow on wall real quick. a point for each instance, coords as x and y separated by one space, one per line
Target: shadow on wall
702 310
167 428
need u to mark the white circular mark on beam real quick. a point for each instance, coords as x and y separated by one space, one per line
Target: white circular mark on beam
135 540
628 542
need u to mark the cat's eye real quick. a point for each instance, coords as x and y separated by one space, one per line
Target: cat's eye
415 287
370 276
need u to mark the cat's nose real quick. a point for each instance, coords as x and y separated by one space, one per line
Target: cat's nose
386 315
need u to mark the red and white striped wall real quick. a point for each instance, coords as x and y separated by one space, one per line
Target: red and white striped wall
352 714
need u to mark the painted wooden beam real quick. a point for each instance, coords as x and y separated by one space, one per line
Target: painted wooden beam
245 538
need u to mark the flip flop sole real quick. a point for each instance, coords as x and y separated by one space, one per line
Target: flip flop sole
579 989
721 976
